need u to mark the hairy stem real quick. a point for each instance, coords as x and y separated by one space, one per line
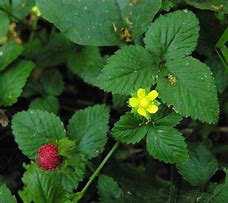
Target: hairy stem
80 194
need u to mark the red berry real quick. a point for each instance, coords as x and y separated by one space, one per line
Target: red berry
48 157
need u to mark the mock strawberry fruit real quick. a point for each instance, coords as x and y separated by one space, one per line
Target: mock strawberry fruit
48 157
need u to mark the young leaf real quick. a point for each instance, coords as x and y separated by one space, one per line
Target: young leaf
5 195
190 88
200 166
167 144
8 53
12 81
129 69
34 128
49 104
129 129
87 64
173 35
42 186
88 128
109 190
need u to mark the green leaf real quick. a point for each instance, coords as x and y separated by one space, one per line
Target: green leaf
5 195
12 82
4 26
167 144
129 129
42 186
173 35
88 127
129 69
109 190
34 128
85 22
8 53
200 166
87 64
99 24
52 83
49 104
189 87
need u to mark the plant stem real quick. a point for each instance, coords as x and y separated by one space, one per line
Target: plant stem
97 171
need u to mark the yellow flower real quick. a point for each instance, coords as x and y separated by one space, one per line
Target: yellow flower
144 103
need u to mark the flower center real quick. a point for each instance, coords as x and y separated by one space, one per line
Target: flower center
144 102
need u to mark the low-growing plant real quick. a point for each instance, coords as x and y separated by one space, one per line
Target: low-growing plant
113 101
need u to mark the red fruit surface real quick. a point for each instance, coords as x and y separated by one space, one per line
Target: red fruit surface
48 157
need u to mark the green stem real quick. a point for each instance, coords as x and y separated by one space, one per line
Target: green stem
80 194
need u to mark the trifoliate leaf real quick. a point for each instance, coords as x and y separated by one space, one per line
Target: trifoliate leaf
5 195
87 64
8 53
42 186
34 128
109 190
4 26
163 142
173 35
100 24
200 166
166 144
131 68
88 127
190 88
129 129
52 83
12 81
49 104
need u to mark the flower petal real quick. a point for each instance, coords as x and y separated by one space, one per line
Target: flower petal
133 102
152 95
141 93
142 112
152 108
